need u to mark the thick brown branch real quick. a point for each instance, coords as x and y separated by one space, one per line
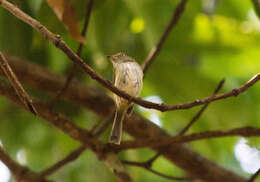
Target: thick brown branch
155 50
58 120
67 126
19 172
42 79
24 97
137 126
74 67
193 120
71 157
197 116
77 60
159 142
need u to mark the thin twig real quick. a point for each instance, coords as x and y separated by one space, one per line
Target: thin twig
155 50
79 51
150 161
194 119
197 116
69 158
254 176
56 119
23 96
96 125
104 126
146 166
138 127
164 141
55 39
67 126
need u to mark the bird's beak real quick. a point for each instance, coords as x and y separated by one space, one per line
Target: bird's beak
110 58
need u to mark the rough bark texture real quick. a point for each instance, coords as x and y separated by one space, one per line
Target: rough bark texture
194 164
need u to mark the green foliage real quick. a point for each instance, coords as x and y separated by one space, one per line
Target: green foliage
199 52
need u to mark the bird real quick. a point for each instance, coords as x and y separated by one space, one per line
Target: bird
128 77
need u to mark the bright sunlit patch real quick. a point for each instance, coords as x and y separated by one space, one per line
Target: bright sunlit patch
155 119
4 173
253 18
153 115
21 157
248 157
203 30
153 98
1 144
137 25
246 27
226 31
252 24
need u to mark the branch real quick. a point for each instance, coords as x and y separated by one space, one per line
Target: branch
45 80
24 97
98 130
71 157
73 69
254 176
138 127
160 142
197 116
193 120
55 39
67 126
56 119
146 165
19 172
155 50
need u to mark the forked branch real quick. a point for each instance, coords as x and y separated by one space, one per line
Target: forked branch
164 141
55 39
79 51
24 97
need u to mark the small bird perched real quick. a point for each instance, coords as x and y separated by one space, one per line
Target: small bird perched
128 77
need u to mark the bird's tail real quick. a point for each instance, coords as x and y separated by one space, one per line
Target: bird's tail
116 133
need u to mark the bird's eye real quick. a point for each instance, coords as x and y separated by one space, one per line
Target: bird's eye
119 55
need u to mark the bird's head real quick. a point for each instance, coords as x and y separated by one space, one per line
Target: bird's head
120 58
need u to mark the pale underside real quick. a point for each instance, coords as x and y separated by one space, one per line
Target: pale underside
129 78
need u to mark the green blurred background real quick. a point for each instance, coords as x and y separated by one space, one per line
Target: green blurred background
211 42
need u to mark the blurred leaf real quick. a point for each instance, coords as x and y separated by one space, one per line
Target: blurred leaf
198 53
256 4
67 15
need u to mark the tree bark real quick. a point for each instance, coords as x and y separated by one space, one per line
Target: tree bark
95 100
